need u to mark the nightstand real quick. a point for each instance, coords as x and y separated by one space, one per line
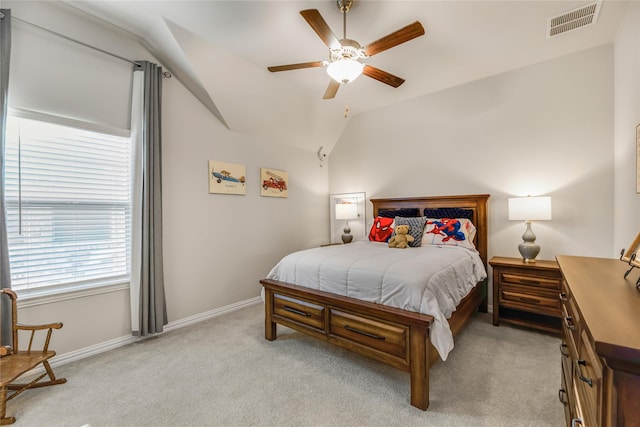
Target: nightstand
527 294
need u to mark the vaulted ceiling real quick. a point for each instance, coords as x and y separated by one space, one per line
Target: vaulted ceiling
220 51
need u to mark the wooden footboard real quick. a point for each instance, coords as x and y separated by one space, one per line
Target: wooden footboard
396 337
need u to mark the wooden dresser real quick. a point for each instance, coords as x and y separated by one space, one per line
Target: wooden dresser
600 350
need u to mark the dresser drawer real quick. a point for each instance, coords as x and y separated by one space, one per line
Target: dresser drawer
577 414
300 312
571 320
566 365
545 280
389 338
535 300
588 380
564 395
569 328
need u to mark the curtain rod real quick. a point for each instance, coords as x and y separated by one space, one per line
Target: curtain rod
166 74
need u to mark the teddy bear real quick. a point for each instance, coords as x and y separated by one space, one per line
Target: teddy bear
402 238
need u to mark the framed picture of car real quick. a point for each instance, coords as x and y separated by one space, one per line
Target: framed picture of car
274 183
227 178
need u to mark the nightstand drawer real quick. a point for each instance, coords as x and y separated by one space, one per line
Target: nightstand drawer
538 281
524 298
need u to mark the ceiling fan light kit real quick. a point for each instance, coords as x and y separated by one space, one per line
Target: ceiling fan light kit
344 65
345 70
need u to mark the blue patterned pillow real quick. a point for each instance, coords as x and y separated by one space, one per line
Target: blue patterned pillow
448 213
416 228
392 213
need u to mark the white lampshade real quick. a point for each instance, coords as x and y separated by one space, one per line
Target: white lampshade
345 70
346 211
530 208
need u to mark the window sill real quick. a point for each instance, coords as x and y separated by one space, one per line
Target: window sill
30 298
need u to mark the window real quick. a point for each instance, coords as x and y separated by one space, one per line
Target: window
67 192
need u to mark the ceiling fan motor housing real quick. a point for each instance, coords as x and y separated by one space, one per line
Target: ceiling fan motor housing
350 49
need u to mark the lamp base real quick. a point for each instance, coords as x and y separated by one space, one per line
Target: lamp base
347 237
529 251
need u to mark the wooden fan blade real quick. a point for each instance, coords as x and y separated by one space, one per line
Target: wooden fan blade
332 89
404 34
319 25
276 68
382 76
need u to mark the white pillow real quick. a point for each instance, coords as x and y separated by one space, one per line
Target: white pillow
449 231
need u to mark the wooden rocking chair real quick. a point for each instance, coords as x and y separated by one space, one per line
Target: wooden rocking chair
14 363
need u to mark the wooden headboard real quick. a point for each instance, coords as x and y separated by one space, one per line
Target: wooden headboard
475 202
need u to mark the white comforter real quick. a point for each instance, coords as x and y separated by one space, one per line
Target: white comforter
429 279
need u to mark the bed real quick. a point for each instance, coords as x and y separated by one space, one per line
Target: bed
395 336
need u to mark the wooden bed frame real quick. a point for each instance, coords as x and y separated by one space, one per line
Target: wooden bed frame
393 336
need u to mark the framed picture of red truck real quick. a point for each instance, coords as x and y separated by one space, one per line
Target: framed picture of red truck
273 183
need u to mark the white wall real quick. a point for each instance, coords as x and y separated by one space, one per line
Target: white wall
217 247
546 129
627 117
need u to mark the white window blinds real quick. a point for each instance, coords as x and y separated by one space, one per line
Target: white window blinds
68 205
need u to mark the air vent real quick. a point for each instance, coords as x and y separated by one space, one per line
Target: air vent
574 19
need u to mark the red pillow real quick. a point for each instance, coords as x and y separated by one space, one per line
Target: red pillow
381 229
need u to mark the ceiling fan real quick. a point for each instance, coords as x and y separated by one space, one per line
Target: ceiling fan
344 64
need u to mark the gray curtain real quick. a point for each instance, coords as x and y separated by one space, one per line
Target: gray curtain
5 274
153 309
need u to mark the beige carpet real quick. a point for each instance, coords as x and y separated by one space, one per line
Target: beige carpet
222 372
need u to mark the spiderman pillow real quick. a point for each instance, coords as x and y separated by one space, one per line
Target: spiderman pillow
381 229
449 231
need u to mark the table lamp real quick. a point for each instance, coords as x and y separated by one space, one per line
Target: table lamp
347 211
529 209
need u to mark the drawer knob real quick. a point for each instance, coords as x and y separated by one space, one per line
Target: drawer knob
296 311
579 364
366 334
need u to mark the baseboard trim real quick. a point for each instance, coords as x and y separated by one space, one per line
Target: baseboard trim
210 314
95 349
72 356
